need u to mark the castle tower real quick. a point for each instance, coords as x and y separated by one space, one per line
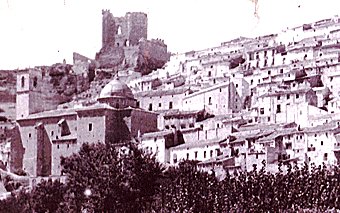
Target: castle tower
123 31
137 24
109 29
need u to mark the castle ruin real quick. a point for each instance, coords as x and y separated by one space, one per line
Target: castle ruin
125 44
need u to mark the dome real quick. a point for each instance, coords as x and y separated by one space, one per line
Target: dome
116 88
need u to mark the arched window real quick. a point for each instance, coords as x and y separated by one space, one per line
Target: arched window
22 81
119 30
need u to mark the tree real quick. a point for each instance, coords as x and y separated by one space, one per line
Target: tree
47 196
113 180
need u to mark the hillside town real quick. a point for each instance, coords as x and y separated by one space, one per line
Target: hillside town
249 102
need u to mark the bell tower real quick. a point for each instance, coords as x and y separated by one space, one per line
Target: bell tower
22 97
29 95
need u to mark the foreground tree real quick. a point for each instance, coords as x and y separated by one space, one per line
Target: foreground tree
102 178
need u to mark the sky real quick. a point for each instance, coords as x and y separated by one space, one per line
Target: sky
44 32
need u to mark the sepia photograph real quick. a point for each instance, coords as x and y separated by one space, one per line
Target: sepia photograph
169 106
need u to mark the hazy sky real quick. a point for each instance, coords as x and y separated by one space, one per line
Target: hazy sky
43 32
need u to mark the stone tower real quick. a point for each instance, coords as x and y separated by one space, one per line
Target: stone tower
109 29
31 96
124 31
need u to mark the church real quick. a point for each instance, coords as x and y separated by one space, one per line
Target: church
45 133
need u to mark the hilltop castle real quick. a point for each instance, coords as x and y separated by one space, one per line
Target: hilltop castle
125 44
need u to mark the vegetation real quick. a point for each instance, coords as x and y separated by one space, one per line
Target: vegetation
103 179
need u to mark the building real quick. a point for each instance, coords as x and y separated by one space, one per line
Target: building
45 136
217 100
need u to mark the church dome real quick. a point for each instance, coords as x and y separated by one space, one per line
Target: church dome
116 88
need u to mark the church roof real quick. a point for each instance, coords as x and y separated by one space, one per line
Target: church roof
116 88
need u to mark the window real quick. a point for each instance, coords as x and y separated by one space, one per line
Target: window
205 154
262 111
268 119
58 146
220 90
211 153
68 145
175 158
119 30
196 153
167 127
183 126
170 105
281 71
52 133
278 97
269 72
90 127
218 152
160 105
278 108
209 101
297 96
236 85
138 104
288 96
35 82
321 143
150 107
209 74
29 135
22 81
187 156
251 81
251 56
325 156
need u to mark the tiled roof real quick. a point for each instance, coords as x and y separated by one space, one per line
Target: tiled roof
277 133
216 159
284 92
71 137
51 113
200 143
332 126
157 134
153 93
177 112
